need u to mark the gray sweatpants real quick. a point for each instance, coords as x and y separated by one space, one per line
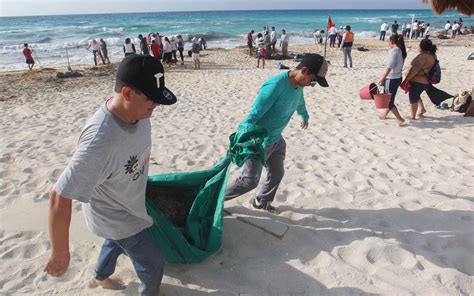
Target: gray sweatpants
347 55
252 170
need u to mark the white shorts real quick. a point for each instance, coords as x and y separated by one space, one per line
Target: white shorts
195 56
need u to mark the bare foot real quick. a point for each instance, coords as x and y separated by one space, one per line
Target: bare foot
412 118
108 283
382 117
401 122
420 114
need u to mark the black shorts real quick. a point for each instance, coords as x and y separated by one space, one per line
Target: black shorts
250 44
391 86
415 91
30 61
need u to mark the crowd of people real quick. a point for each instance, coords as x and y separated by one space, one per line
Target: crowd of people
422 29
262 45
265 44
163 48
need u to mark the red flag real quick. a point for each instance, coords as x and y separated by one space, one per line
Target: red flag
330 23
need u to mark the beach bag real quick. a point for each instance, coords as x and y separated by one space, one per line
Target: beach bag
461 102
203 192
263 52
434 76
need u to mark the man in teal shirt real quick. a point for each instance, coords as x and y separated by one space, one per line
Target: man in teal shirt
278 99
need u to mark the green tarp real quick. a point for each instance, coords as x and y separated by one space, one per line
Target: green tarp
202 234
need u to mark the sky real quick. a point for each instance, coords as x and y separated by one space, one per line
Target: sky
55 7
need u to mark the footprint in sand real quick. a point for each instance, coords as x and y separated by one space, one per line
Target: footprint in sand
373 251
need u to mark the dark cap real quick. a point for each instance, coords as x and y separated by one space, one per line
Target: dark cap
146 74
318 66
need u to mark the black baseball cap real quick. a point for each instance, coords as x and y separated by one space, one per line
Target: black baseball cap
146 74
317 65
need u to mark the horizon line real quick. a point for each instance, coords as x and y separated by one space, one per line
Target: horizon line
230 10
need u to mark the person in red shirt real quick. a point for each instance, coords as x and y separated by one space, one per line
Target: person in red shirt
28 56
155 49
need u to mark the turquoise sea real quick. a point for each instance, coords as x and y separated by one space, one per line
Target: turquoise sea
49 36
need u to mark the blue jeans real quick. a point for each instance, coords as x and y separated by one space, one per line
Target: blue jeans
145 255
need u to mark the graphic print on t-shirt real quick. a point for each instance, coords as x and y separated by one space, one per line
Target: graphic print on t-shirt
136 166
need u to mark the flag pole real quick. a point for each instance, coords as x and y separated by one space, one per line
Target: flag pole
325 43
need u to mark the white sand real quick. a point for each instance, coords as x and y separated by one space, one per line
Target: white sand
371 208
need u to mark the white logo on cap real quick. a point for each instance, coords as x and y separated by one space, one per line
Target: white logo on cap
167 95
158 76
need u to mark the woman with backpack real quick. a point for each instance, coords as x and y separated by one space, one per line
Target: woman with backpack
392 76
416 79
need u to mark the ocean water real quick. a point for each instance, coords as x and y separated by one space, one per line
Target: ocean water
50 36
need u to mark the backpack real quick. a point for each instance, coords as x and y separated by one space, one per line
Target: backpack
434 76
461 102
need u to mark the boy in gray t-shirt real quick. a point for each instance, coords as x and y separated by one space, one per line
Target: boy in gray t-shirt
108 174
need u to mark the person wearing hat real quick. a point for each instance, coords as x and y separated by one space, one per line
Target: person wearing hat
278 99
108 175
346 45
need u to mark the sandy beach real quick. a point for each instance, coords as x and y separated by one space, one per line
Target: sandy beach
367 207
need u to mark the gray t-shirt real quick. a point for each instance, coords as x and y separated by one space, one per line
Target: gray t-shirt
108 173
395 62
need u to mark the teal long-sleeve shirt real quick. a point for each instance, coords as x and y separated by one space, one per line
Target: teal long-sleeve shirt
274 106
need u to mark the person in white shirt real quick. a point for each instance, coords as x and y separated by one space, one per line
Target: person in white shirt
284 43
455 30
427 31
167 51
422 28
408 31
332 36
318 38
415 30
174 48
383 31
128 47
447 27
273 38
404 30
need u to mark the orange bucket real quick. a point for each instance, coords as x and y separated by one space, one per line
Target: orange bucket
368 92
382 100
